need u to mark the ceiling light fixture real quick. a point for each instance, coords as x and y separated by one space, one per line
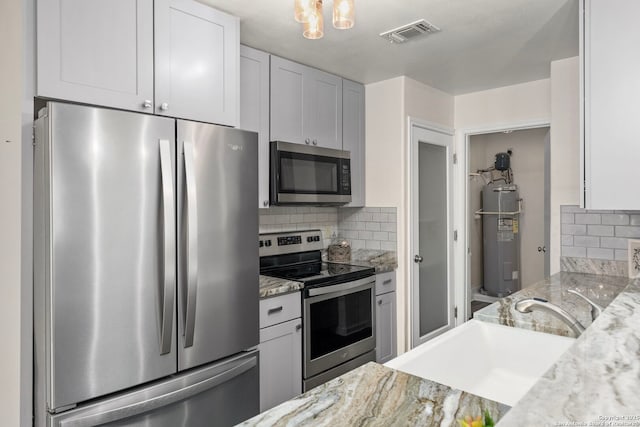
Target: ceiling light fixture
309 13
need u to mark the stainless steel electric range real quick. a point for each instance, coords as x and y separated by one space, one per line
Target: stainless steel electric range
337 304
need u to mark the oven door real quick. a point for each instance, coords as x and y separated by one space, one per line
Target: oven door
302 174
339 324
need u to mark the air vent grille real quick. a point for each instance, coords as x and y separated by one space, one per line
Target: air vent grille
410 31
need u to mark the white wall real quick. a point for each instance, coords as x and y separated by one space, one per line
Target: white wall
527 163
388 105
565 145
11 211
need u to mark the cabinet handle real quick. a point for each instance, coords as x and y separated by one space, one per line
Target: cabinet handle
274 310
315 142
298 327
386 282
265 203
379 302
307 141
164 106
147 104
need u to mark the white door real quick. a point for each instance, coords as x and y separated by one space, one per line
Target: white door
432 235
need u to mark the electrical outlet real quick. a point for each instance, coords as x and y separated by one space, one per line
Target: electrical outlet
634 258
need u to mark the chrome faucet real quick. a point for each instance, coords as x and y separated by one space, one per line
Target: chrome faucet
596 309
530 304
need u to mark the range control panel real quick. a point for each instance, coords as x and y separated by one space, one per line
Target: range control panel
290 242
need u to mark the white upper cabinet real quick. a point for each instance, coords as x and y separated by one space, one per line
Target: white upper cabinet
306 105
178 58
353 125
611 90
254 110
197 60
96 52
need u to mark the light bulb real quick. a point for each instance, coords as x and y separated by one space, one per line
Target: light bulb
343 14
302 9
314 27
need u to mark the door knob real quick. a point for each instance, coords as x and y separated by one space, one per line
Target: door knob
418 259
542 249
315 142
164 106
307 141
147 104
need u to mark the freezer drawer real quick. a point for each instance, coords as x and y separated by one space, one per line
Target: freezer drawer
222 394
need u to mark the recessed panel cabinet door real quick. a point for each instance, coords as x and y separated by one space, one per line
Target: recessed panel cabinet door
254 110
288 107
96 52
325 109
353 126
197 62
385 327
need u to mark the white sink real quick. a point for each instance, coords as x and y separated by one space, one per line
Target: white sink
496 362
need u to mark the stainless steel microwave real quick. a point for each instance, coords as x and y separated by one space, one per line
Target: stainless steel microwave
309 175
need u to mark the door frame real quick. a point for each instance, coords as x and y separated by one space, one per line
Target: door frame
461 201
412 243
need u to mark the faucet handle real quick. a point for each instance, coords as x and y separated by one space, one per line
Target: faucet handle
596 309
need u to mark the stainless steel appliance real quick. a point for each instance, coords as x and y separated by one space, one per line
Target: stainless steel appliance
337 304
305 174
146 270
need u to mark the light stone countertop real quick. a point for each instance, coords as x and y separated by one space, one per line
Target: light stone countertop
600 289
374 395
382 261
273 286
597 379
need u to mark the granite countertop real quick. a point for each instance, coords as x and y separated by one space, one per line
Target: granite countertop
374 395
273 286
382 261
598 288
597 381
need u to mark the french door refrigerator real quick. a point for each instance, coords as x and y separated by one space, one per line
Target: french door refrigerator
146 270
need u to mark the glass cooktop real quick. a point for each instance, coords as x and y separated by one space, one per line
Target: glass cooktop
320 273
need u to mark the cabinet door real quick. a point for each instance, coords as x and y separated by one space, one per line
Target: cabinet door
280 363
197 55
612 65
288 106
96 52
323 112
254 110
386 327
353 137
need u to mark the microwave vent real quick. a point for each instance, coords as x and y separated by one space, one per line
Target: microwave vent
410 31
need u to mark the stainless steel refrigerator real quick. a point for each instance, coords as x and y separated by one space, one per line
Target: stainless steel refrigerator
146 270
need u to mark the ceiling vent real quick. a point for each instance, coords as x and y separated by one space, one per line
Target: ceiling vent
410 31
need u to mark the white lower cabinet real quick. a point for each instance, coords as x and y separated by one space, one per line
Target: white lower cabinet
386 334
280 355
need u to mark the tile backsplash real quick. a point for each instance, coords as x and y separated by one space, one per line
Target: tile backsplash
364 228
598 234
291 218
369 228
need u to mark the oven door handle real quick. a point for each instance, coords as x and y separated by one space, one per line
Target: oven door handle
341 287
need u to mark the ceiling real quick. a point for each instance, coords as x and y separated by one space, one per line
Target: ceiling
483 43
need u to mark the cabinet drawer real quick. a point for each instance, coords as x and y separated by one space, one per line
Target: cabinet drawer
279 309
385 282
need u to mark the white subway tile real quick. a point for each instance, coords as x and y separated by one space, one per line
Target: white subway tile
614 242
588 218
567 241
600 230
567 218
380 235
373 226
388 246
586 241
600 253
365 235
627 231
373 244
622 255
575 230
572 251
393 237
388 226
615 219
358 244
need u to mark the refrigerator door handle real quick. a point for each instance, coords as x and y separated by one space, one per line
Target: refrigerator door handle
192 245
169 278
141 407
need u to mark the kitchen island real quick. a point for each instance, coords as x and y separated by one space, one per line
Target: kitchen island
598 377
